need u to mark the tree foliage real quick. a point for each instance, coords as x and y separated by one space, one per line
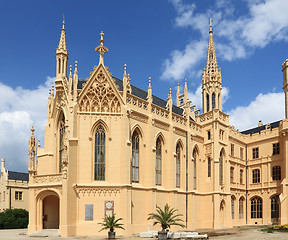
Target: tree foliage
110 222
14 218
166 218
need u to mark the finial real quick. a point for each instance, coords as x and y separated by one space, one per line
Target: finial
125 66
101 40
32 130
170 91
63 26
39 144
149 81
70 69
128 76
76 63
101 49
210 22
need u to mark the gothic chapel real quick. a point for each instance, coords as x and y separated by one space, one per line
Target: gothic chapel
111 147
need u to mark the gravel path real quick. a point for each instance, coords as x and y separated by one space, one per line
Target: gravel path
243 233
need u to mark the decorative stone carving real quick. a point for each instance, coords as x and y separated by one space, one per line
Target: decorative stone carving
90 191
208 150
160 124
32 151
100 97
48 178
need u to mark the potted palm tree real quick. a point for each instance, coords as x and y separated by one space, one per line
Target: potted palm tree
110 222
166 218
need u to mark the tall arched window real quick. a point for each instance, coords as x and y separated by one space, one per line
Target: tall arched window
158 161
241 207
275 206
213 101
207 102
178 159
195 156
256 207
209 167
135 157
61 141
100 152
221 168
233 207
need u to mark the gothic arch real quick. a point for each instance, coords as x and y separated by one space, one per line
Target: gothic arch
180 142
137 128
160 134
95 126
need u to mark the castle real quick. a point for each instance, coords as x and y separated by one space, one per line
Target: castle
111 147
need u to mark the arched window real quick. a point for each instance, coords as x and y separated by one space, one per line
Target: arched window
61 141
100 152
276 173
195 157
207 102
233 207
241 207
178 159
221 168
275 206
209 167
256 207
158 161
213 101
135 157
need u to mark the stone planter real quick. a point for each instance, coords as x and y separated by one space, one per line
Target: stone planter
162 235
111 235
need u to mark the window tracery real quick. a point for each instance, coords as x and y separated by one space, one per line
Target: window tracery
100 154
100 97
135 157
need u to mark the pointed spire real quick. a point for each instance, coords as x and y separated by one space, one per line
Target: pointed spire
75 81
149 96
125 72
178 96
185 92
101 49
62 42
211 64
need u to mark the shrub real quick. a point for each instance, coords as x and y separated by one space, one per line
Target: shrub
14 218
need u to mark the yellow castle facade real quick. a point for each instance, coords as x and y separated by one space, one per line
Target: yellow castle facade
112 148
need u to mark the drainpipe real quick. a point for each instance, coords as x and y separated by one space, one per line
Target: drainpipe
186 179
246 184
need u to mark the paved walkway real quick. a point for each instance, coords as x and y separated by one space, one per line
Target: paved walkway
243 233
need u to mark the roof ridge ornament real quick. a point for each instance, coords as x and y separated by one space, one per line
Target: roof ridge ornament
101 49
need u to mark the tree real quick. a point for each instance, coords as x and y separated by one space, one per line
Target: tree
110 222
166 218
13 218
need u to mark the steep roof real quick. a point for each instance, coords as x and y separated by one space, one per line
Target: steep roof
141 94
20 176
261 128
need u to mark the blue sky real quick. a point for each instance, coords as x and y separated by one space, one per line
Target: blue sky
164 40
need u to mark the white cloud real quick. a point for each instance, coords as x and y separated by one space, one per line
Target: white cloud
181 61
19 110
263 22
266 107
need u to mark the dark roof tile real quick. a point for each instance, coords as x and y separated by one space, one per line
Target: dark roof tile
18 176
260 128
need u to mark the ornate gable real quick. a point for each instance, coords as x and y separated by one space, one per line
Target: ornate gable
100 94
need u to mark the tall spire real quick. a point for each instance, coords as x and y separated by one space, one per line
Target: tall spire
211 79
62 54
211 64
101 49
62 42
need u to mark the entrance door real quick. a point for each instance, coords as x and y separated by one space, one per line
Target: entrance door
50 212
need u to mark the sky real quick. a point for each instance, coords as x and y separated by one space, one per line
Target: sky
164 40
